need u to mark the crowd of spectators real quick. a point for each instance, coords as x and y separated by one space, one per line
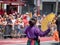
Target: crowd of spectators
13 25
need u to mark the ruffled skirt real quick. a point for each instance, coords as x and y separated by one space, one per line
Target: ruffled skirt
33 42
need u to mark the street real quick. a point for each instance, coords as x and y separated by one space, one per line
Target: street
23 41
42 43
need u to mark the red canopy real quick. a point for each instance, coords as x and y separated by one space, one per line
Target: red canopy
13 2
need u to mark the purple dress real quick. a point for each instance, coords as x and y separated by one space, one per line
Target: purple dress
32 33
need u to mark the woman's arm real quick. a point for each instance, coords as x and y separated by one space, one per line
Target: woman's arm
39 32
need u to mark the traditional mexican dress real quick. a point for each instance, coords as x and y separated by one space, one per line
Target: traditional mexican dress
32 33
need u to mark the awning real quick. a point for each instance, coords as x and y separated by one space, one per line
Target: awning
13 2
1 1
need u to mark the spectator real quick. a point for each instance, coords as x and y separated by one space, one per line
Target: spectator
8 28
25 21
58 25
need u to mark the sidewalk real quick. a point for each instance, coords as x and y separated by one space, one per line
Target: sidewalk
22 40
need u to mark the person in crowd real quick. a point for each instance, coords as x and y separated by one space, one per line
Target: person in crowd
17 26
5 13
2 12
20 27
54 30
32 32
35 14
13 21
16 30
4 23
28 17
38 23
1 26
26 23
15 15
58 25
8 28
53 26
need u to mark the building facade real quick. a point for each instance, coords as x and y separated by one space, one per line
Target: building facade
45 6
49 6
12 5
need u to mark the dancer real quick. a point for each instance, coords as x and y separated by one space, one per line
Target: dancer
32 32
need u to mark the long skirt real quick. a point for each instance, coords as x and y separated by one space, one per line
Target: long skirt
33 42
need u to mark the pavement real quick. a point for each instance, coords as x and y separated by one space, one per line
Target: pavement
44 43
23 41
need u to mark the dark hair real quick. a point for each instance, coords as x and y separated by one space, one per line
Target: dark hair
32 21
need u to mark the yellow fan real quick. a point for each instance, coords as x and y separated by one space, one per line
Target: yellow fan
46 20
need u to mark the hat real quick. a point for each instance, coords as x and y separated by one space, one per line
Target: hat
19 19
27 13
58 15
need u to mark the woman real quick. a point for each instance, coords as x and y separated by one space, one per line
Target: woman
32 32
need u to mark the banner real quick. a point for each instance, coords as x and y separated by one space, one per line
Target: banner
46 20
